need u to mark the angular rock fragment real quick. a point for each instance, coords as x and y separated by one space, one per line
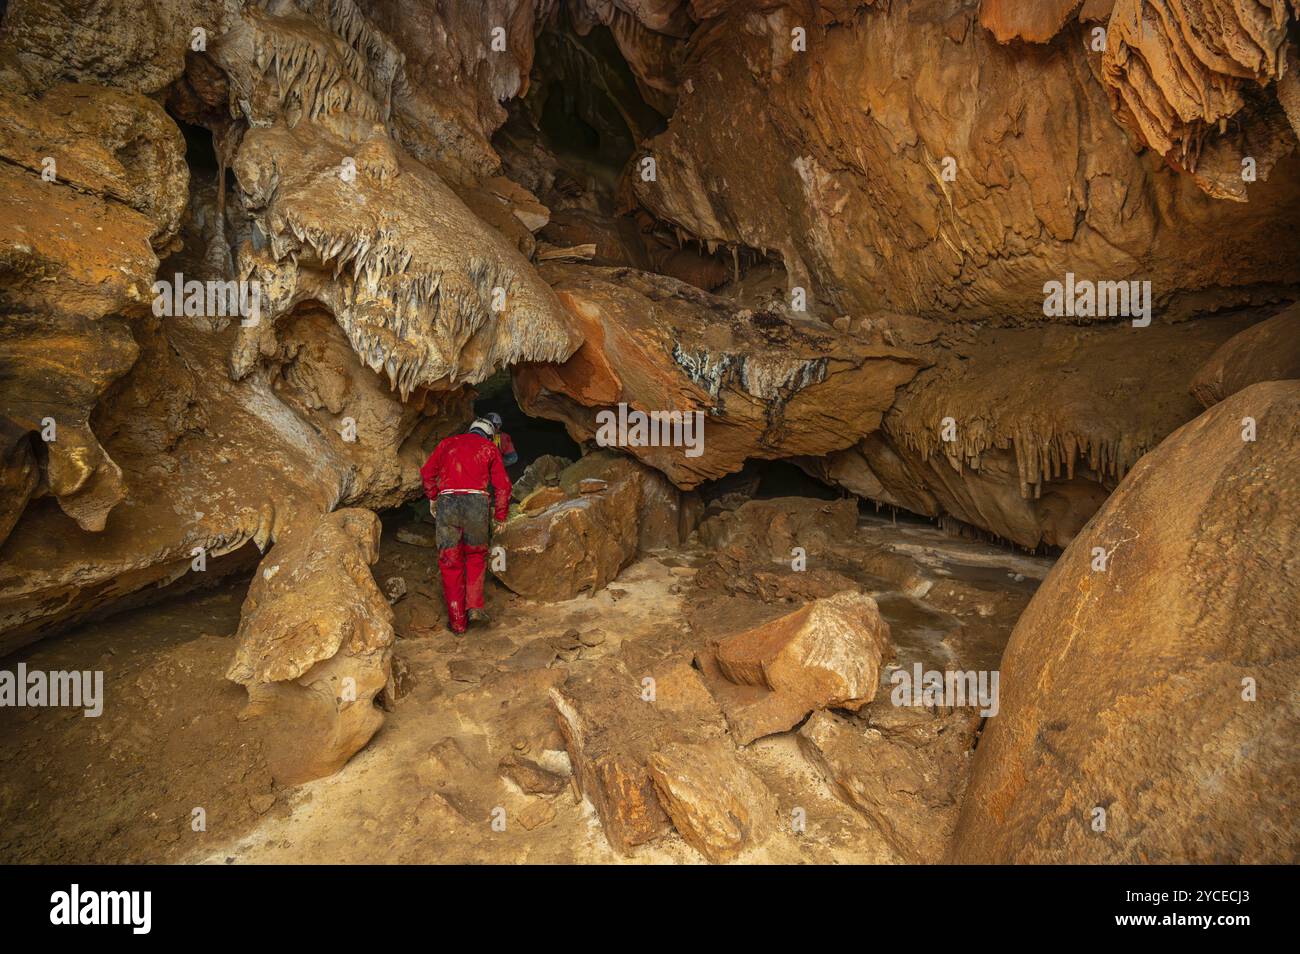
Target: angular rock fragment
909 793
825 654
611 731
541 472
314 646
717 804
577 543
532 778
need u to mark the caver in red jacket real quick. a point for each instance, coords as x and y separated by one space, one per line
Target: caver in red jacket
466 479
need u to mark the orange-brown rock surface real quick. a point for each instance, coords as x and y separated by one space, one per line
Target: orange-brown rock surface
909 162
765 386
1030 456
1178 72
1267 351
1148 712
614 720
907 783
575 542
314 646
826 654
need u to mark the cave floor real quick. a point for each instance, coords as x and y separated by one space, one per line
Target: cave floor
124 787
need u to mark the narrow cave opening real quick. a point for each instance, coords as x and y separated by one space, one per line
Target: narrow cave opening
533 437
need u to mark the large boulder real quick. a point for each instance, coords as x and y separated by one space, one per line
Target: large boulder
1267 351
1148 705
314 646
907 780
825 654
565 542
717 804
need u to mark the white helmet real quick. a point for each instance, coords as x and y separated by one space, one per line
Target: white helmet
483 426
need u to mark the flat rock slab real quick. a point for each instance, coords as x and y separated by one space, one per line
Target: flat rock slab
909 793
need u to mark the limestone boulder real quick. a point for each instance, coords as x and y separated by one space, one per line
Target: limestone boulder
825 654
909 792
564 542
1267 351
314 646
771 529
1147 705
717 804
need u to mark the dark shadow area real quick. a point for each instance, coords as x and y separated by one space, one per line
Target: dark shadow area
532 436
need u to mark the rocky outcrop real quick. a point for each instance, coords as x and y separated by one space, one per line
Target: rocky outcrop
1267 351
1029 456
826 654
314 646
186 516
94 185
748 384
908 162
576 542
1147 709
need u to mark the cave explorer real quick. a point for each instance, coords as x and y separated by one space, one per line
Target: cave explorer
468 489
502 439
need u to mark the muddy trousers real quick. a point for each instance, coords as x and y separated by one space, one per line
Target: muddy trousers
464 521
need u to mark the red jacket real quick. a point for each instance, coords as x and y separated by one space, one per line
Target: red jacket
467 462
